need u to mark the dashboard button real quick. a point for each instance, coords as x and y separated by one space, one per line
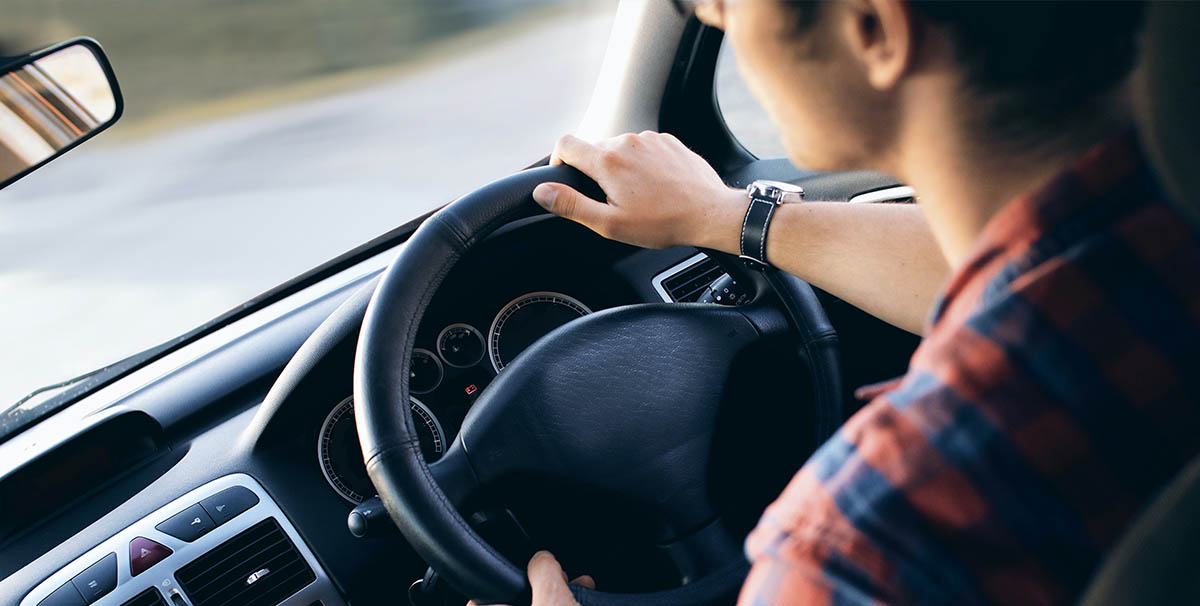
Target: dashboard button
144 553
66 595
99 579
228 503
188 525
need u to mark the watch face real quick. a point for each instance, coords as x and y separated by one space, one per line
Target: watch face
776 190
780 185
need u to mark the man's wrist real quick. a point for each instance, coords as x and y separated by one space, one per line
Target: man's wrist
720 228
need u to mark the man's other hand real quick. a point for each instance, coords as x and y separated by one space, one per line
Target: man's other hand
660 193
549 582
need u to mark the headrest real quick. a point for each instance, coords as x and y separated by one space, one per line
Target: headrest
1167 99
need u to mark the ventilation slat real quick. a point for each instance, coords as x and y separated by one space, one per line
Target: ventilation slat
219 577
688 284
233 564
150 597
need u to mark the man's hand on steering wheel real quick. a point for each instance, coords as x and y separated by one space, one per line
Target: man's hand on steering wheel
549 582
660 193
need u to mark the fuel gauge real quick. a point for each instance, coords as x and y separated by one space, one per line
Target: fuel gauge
425 372
460 345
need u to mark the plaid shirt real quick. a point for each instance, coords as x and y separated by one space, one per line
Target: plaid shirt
1053 396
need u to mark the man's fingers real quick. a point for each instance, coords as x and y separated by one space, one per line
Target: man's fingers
565 201
548 581
578 153
585 581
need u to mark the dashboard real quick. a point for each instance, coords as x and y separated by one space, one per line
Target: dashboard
272 413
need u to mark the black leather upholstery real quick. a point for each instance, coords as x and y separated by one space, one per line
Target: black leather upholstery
820 345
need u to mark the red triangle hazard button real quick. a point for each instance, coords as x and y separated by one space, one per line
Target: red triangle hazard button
144 553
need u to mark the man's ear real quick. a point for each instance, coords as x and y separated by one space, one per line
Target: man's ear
882 36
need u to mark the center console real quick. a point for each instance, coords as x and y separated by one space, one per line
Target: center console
224 544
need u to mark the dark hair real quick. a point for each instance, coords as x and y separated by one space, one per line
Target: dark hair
1033 64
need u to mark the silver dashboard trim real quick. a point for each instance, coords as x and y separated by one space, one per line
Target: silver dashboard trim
441 370
491 336
438 344
886 194
162 574
660 277
413 401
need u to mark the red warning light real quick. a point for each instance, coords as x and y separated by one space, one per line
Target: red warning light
471 389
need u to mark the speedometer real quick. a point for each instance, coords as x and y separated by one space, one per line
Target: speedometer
525 320
341 456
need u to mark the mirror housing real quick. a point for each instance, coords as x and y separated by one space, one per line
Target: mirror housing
51 101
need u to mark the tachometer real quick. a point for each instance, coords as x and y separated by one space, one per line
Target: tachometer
525 320
341 456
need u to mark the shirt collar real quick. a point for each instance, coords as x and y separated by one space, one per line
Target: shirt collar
1024 220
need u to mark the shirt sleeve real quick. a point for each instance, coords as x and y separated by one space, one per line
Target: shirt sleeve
872 518
804 560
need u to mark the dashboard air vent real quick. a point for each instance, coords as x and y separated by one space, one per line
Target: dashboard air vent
685 282
258 567
150 597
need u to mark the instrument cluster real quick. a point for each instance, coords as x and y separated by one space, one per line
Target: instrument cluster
444 379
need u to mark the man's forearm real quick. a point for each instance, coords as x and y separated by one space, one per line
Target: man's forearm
881 258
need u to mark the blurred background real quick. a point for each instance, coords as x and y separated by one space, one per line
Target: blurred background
259 140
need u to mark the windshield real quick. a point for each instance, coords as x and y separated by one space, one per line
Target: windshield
259 140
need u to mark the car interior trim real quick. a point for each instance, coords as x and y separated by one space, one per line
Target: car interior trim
161 574
900 193
51 432
637 64
670 272
493 336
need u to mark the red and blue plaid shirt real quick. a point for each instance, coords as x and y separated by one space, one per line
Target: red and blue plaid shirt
1053 396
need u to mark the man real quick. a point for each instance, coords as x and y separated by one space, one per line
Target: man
1053 393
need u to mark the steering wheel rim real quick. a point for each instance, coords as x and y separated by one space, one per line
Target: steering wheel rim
423 503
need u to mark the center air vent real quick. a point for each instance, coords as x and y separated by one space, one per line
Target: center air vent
685 282
259 567
150 597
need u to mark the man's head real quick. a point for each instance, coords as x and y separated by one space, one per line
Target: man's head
847 79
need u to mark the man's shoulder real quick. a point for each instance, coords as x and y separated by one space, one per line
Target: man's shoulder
1114 318
1112 307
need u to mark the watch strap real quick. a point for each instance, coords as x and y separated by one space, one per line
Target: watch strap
754 231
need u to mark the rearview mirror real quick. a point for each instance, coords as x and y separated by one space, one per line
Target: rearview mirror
51 101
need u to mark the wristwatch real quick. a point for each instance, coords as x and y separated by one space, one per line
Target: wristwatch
764 197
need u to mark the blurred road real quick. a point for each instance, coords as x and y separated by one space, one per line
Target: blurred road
120 245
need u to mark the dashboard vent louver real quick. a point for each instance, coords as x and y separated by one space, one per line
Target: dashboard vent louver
687 284
150 597
258 567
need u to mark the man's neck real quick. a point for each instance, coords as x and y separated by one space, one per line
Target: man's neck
962 183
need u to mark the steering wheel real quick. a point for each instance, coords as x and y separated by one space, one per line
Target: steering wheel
624 400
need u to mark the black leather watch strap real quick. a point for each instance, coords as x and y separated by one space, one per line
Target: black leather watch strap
754 231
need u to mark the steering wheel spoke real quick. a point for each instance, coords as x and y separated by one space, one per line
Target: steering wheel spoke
703 552
454 475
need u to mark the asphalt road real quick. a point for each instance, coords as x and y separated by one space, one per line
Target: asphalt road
120 245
